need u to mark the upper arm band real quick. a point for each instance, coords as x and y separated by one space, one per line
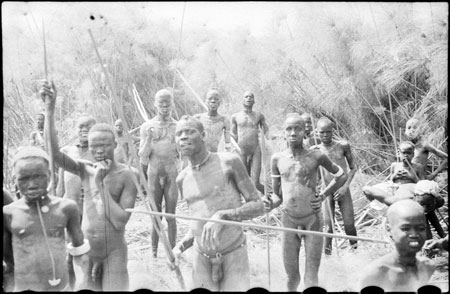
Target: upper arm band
339 173
80 250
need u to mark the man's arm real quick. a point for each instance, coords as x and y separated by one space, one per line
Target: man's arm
253 206
226 133
277 197
115 212
234 127
48 95
440 154
351 173
264 126
336 172
8 256
80 259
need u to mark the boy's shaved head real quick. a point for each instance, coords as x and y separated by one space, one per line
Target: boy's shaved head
102 127
163 94
30 152
324 121
403 208
294 117
191 120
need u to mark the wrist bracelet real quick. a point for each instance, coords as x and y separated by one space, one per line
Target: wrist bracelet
80 250
227 145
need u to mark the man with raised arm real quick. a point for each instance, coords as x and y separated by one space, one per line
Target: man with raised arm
294 179
110 190
245 127
213 184
215 124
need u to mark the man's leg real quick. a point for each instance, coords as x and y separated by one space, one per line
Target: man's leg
328 224
346 206
290 244
256 169
171 198
201 272
156 192
313 253
236 271
115 272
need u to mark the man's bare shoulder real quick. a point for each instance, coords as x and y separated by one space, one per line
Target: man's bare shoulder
343 144
199 115
69 148
64 203
228 157
377 269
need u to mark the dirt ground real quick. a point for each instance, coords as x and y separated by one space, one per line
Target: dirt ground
338 272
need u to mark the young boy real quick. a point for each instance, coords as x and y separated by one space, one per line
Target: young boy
245 129
37 136
310 138
339 152
159 157
294 178
109 190
33 230
213 185
401 270
215 124
423 148
402 173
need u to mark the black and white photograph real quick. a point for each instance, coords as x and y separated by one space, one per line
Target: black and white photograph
225 146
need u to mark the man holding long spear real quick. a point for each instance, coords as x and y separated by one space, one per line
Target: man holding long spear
212 185
110 190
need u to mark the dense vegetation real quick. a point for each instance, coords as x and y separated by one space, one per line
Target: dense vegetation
368 69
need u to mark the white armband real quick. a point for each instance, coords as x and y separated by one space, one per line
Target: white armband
275 176
80 250
339 173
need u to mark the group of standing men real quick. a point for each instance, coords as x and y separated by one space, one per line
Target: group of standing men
216 185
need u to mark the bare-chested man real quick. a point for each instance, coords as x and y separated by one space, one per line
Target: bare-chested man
158 156
37 136
109 191
69 184
402 173
339 152
215 124
423 148
245 129
212 185
402 270
310 138
33 230
8 263
294 178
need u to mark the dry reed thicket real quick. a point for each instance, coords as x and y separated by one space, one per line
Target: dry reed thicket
369 67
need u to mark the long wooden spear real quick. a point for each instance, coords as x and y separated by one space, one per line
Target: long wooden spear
250 225
47 141
263 164
156 221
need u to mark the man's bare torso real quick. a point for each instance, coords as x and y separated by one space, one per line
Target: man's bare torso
214 128
336 153
298 181
208 190
247 131
27 238
103 237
